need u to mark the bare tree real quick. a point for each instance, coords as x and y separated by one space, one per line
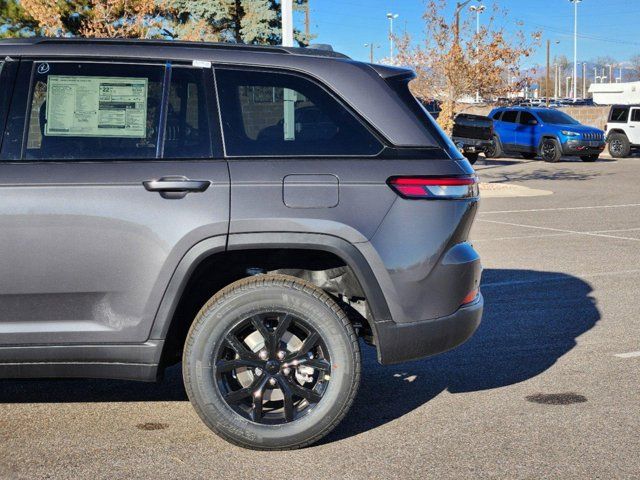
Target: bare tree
453 62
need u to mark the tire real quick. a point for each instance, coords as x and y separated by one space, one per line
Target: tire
495 151
550 150
619 146
529 155
589 158
472 157
300 406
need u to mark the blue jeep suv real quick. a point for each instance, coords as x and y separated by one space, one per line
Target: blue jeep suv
544 132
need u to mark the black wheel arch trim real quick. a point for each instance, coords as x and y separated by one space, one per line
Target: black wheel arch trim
343 249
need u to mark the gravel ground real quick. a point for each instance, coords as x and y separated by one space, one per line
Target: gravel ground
538 392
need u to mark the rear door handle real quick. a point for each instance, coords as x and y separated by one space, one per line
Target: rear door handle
175 187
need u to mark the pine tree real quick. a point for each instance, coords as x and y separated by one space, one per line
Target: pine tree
240 21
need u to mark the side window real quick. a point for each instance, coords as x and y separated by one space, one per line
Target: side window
497 115
619 115
265 113
526 118
510 116
93 111
187 130
635 115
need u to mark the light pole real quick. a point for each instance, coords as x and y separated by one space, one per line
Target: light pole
575 47
567 87
478 9
610 72
391 17
584 80
459 7
555 83
371 46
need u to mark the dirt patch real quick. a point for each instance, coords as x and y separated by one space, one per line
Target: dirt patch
567 398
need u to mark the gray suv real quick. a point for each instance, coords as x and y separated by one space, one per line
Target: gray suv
250 211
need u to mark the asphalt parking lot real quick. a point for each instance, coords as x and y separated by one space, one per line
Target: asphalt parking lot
548 387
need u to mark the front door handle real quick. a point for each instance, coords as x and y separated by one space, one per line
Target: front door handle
175 187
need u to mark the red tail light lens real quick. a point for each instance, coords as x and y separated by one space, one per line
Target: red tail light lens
442 188
471 296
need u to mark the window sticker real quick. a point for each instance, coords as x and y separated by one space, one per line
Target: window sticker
96 106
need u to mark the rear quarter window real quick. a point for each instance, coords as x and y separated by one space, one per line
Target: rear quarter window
281 114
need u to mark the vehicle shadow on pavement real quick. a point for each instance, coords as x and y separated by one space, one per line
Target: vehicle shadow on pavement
531 319
546 174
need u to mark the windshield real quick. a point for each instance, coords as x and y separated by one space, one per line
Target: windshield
553 116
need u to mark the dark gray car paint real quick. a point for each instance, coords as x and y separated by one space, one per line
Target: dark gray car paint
91 251
102 262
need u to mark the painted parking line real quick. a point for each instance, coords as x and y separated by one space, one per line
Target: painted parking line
563 234
550 229
559 209
628 355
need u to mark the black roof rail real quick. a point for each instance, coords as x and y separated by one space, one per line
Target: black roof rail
171 43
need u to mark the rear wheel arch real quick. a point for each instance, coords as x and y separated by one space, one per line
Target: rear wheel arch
207 269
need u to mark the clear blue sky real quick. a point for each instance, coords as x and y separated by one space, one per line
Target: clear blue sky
606 27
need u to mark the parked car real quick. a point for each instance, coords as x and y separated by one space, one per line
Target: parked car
543 132
623 130
237 208
472 134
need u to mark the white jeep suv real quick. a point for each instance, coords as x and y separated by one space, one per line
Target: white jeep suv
623 130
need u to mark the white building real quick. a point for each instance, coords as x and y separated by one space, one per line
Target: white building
615 93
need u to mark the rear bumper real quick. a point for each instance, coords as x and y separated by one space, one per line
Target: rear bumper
471 144
582 147
401 342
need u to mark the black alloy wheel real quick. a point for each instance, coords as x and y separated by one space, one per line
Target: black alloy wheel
550 150
282 376
271 362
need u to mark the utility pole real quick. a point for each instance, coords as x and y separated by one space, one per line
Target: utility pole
575 47
610 73
391 17
307 30
478 9
546 86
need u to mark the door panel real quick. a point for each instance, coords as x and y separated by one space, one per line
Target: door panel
507 129
634 126
87 251
527 135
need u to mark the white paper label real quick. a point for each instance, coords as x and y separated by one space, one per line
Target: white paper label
96 106
201 64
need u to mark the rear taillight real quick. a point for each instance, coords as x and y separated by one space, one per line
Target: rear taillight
437 188
471 296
